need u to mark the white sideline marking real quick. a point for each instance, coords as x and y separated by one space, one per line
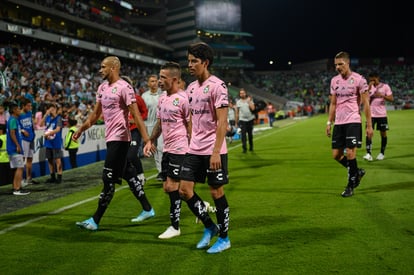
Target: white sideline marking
60 210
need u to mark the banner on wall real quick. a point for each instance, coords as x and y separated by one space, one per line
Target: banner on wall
92 149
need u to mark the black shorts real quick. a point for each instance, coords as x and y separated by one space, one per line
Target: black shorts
196 168
171 165
54 153
115 160
347 136
381 123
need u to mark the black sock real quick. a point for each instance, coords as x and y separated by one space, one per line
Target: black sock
222 214
198 208
175 208
368 145
383 144
352 172
344 161
135 185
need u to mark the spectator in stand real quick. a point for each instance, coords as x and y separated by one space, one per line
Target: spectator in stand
6 176
39 116
53 142
271 111
379 93
245 118
151 100
14 149
28 136
3 118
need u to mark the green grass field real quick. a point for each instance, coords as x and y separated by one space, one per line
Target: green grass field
286 215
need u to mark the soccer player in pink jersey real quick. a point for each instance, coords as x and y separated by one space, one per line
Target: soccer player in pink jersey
173 122
207 154
348 91
115 99
380 92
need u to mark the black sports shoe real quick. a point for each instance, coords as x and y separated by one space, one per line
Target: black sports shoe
51 180
159 177
361 173
348 192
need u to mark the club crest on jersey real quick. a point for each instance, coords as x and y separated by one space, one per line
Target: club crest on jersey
114 90
176 102
351 81
206 89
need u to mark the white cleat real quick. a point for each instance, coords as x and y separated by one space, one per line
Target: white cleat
171 232
368 157
380 156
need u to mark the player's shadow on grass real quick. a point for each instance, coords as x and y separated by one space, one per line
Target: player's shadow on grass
260 231
409 185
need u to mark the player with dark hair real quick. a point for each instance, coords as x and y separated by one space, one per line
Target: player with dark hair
379 93
173 122
348 90
134 164
207 154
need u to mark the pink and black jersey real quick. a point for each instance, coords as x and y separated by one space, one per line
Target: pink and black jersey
347 92
115 99
377 104
204 100
174 113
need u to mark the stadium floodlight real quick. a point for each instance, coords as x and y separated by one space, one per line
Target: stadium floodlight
126 5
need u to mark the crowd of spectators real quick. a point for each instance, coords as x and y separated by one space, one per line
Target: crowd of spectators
56 76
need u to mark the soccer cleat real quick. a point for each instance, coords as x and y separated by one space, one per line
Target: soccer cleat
88 224
159 177
51 180
208 234
20 192
380 156
368 157
361 173
348 192
171 232
144 215
220 245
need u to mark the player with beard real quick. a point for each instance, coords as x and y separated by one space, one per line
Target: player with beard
115 99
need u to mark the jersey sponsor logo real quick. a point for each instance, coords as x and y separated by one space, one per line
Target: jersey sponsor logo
200 112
